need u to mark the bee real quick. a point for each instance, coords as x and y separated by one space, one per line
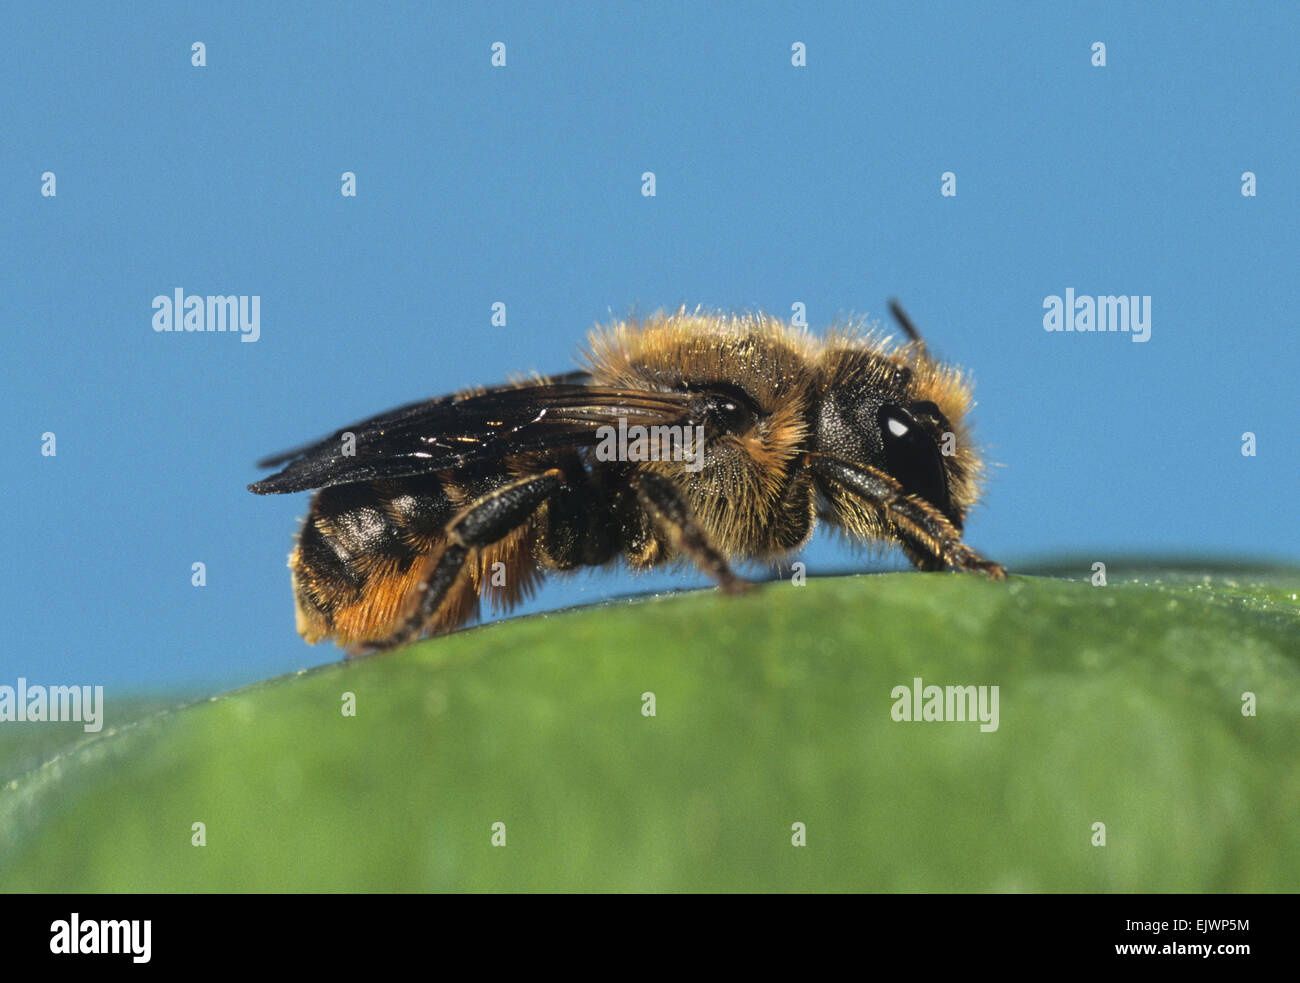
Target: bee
423 512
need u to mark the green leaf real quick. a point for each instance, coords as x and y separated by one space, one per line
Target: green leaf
1119 705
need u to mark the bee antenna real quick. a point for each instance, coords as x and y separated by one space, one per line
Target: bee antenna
906 324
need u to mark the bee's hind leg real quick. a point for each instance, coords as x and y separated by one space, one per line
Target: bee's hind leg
482 523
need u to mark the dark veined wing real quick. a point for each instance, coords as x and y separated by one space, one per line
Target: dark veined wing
455 431
396 415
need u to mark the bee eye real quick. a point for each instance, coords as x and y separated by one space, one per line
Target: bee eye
912 457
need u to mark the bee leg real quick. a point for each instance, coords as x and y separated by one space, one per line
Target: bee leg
669 510
928 537
917 555
482 523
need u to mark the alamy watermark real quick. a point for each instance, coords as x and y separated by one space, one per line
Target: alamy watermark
105 936
1109 313
919 703
655 443
23 703
191 312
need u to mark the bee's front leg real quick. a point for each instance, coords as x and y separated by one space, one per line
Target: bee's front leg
929 539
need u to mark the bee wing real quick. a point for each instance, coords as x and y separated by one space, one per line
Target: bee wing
400 413
455 431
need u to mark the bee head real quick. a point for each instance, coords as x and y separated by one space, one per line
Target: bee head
903 418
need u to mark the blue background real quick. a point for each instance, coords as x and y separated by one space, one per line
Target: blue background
522 185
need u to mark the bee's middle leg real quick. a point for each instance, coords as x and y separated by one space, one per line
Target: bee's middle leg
482 523
669 510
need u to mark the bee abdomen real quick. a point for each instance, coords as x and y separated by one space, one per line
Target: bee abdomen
361 554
